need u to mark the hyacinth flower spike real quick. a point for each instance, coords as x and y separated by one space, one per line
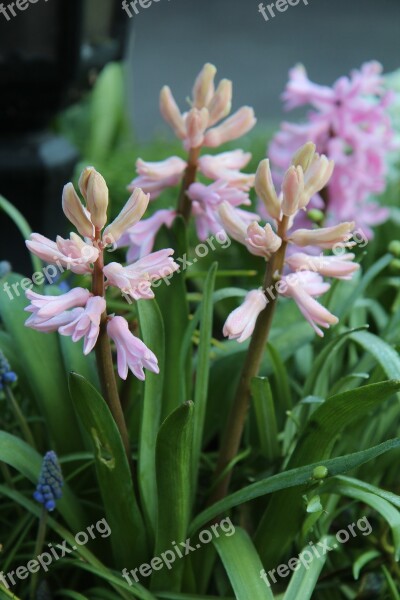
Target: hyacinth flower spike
298 276
206 124
82 314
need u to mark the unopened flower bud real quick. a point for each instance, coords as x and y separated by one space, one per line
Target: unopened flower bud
171 113
266 190
237 125
221 103
317 176
203 89
304 157
131 214
76 212
293 190
94 189
196 123
241 322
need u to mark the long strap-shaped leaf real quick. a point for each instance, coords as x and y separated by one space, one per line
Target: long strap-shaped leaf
291 479
174 463
243 566
285 511
122 512
304 580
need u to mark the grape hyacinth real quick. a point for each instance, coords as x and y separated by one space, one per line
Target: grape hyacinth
49 487
350 124
7 376
197 128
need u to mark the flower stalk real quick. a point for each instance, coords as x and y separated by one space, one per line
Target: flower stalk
233 431
184 202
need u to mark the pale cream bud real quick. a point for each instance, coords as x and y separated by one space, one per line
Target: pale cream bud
76 212
131 214
94 189
203 89
266 190
292 190
221 103
171 113
304 156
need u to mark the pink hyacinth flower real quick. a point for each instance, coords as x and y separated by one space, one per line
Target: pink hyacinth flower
241 322
85 322
52 324
205 202
141 237
326 237
136 279
234 127
339 267
303 287
227 166
132 353
46 307
72 254
154 177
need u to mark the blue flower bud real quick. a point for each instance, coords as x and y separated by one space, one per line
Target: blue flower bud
49 488
6 375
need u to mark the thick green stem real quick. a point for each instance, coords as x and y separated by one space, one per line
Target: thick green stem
104 359
233 432
184 203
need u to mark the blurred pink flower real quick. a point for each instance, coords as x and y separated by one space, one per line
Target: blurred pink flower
132 353
155 177
227 166
350 124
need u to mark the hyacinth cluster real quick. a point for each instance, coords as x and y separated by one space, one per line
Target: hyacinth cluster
7 376
350 124
49 487
204 125
297 275
80 313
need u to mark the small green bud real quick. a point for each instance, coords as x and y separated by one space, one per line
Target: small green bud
316 216
394 248
395 265
320 472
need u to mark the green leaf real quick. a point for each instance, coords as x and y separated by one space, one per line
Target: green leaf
27 461
107 111
42 363
304 579
301 476
281 378
382 506
23 227
171 298
152 331
203 370
243 566
174 462
129 538
285 511
384 354
363 560
264 407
